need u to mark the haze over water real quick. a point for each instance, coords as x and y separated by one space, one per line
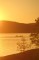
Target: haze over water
8 43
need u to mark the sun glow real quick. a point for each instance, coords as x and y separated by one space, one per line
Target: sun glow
2 14
1 17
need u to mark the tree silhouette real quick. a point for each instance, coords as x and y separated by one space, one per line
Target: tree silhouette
21 46
34 37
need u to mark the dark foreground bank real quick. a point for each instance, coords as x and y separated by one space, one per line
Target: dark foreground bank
27 55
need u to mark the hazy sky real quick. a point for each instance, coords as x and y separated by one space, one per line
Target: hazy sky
24 11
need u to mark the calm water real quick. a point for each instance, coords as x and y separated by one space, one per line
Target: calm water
8 42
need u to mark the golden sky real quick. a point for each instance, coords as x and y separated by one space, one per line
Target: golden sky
24 11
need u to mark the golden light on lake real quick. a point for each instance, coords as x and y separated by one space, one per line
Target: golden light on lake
8 43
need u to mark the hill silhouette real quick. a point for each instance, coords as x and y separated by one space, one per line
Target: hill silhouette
14 27
27 55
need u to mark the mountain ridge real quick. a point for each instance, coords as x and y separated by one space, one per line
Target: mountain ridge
15 27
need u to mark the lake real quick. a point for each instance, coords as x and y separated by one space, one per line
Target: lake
8 42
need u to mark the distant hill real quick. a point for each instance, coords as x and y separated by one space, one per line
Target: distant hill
14 27
27 55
